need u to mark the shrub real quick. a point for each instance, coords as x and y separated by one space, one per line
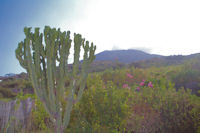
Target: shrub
102 109
7 93
164 110
40 119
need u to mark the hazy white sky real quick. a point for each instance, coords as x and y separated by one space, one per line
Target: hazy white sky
164 27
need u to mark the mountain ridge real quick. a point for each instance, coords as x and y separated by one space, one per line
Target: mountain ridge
124 56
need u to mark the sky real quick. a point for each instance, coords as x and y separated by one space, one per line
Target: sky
166 27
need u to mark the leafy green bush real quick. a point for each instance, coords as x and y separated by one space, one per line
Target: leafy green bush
40 119
101 109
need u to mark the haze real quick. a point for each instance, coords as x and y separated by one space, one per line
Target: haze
167 27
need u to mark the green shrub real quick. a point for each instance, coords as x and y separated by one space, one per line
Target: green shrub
40 119
101 109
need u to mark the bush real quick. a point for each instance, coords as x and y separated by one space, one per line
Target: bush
7 93
101 109
40 119
164 110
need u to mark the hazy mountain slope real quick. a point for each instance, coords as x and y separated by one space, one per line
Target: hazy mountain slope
124 56
166 60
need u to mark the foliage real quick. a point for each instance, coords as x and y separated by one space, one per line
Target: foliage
164 110
158 107
102 109
6 93
150 100
11 87
40 118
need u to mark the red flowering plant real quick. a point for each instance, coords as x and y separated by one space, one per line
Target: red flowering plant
144 83
126 86
129 78
129 81
129 75
150 84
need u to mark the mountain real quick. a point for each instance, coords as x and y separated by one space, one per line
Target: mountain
124 56
166 60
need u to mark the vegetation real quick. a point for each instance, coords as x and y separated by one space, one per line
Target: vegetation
133 100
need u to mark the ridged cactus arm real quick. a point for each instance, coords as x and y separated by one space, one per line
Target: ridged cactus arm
83 75
92 51
19 52
65 45
28 56
69 106
32 71
77 46
36 49
61 71
36 57
49 57
41 89
68 46
43 73
73 84
85 46
54 41
68 43
82 81
87 60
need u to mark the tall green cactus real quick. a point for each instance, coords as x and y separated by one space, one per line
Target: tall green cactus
47 65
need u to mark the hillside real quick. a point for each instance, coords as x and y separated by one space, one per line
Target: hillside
166 61
125 96
124 56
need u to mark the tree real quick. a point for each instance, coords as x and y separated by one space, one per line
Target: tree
46 63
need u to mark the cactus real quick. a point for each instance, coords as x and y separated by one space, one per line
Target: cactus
46 63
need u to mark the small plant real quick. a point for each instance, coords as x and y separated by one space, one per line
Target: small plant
39 117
